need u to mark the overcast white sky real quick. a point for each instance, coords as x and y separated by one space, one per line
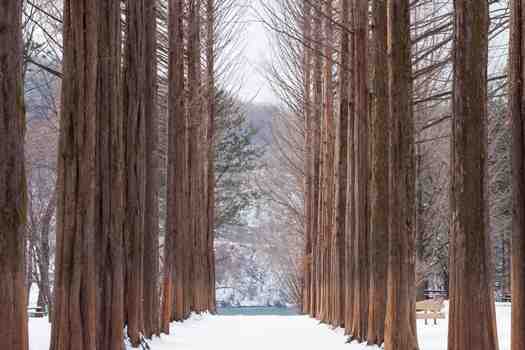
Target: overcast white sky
256 53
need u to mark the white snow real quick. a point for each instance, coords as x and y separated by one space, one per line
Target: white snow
39 333
208 332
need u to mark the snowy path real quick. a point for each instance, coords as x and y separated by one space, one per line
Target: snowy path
271 333
292 332
250 332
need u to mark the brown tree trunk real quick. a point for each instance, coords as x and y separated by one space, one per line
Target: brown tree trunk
173 286
151 210
472 322
210 60
361 279
74 321
135 132
516 109
341 172
202 287
196 164
13 189
326 205
379 179
109 201
316 147
307 81
350 198
400 331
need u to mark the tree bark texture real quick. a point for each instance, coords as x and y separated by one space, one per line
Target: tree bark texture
177 198
307 103
316 147
400 331
151 209
196 122
517 113
74 323
13 189
341 171
326 203
360 237
210 66
350 184
110 161
134 96
472 322
379 176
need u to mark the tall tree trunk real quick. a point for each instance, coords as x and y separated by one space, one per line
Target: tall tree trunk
307 105
173 285
203 286
472 322
186 244
201 214
316 142
379 178
151 215
13 189
517 112
151 210
109 201
135 132
210 60
360 245
400 331
326 218
350 185
196 164
341 171
74 323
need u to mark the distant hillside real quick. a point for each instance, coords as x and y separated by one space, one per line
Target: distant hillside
260 117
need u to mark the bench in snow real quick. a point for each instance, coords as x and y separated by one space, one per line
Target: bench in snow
430 309
37 311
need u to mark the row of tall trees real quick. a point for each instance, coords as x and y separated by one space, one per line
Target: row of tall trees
360 230
360 212
189 282
42 29
103 181
107 261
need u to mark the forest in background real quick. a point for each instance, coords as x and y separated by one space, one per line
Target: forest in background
432 43
42 84
300 209
249 271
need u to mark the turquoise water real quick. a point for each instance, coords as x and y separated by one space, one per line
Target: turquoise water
257 311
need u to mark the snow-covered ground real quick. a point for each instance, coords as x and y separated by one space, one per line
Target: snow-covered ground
271 332
39 333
